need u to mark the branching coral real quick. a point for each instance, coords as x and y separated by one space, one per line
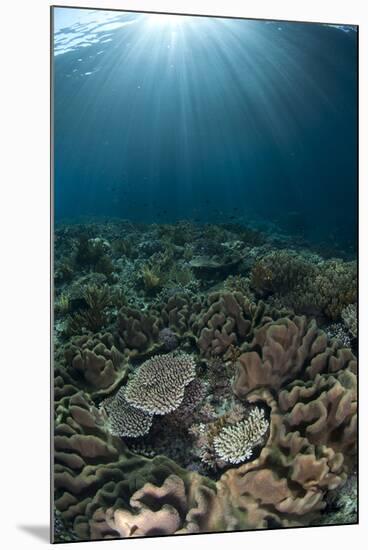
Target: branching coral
321 289
235 444
93 252
350 317
94 317
280 271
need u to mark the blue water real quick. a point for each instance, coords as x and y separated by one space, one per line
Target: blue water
163 118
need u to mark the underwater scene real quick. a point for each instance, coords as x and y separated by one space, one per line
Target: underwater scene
204 274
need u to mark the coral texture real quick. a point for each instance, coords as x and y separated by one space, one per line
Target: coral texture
204 380
124 419
350 317
235 444
96 359
158 385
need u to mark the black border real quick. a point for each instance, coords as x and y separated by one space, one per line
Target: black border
52 8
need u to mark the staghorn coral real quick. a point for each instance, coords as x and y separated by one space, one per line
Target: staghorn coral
235 444
158 385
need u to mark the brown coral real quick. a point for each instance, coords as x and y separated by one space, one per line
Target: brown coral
283 348
175 507
96 358
230 319
286 484
94 472
327 409
312 438
216 322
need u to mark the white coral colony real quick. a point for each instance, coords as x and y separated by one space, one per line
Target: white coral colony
157 388
235 444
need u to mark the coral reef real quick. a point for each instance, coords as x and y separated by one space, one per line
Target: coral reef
158 385
95 359
205 380
350 317
310 287
124 419
235 444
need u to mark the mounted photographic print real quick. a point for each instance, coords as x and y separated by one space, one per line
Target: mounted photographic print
204 274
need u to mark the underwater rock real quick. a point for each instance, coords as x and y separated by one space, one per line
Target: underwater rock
214 266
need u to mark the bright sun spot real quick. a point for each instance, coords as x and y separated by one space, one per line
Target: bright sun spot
160 20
